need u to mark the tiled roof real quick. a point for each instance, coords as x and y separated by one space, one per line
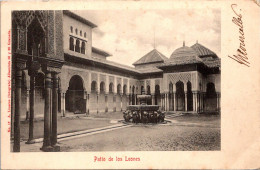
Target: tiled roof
211 62
183 52
101 52
153 69
151 57
202 50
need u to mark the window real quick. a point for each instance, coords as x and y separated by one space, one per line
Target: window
76 31
85 35
71 29
80 33
83 46
77 48
71 44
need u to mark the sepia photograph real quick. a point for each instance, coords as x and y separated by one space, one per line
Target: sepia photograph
116 80
133 84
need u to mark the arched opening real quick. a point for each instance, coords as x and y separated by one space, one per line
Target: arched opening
211 98
39 93
77 48
133 95
124 98
71 29
83 48
71 44
148 91
35 39
101 98
180 96
189 97
170 96
118 97
75 101
111 97
157 95
119 89
93 98
85 35
142 90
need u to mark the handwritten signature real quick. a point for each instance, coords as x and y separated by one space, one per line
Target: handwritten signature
241 56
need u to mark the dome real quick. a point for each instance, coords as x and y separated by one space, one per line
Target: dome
183 52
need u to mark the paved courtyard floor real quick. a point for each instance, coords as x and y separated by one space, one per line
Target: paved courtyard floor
185 133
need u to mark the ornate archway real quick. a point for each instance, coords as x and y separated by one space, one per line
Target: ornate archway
75 95
180 96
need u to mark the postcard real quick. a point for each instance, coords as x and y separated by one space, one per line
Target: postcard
130 85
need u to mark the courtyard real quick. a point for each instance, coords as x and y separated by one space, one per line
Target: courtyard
184 133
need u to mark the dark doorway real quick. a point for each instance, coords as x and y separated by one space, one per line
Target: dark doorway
180 96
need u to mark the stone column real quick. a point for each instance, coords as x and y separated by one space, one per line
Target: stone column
194 101
114 102
47 114
106 101
54 112
174 102
186 103
63 104
88 103
27 104
18 99
97 102
32 100
121 104
153 99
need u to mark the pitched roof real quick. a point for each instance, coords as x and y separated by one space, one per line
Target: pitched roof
202 50
151 57
211 62
101 52
79 18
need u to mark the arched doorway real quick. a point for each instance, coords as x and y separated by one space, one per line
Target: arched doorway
211 98
157 95
75 95
189 97
180 96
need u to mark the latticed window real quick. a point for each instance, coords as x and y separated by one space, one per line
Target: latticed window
77 48
83 48
71 44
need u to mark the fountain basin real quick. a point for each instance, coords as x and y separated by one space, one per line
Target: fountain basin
143 107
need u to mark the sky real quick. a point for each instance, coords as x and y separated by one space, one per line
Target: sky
130 34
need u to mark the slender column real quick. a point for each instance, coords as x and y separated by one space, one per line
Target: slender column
162 101
153 99
18 92
194 101
106 100
121 104
114 102
63 104
32 99
174 102
88 103
27 104
47 114
54 112
186 105
97 101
